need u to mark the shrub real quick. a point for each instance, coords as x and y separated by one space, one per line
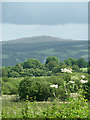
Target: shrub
38 89
10 86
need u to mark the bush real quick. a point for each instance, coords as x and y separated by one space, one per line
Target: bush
10 86
38 89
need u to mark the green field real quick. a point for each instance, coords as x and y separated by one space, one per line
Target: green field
55 109
84 69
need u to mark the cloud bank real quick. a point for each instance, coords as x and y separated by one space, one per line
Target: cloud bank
66 31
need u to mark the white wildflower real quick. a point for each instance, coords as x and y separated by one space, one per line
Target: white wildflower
56 86
82 76
71 81
83 81
66 70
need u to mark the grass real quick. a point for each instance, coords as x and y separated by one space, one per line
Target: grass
84 69
27 109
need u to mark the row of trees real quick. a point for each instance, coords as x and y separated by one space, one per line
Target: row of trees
52 66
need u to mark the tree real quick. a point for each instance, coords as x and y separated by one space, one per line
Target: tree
68 62
52 58
13 74
18 68
73 61
4 72
32 63
82 63
76 68
52 62
51 65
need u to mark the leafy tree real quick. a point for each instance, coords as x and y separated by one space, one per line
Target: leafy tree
63 64
82 63
4 72
73 61
39 72
32 63
68 62
51 65
52 58
13 74
52 62
76 68
18 68
25 72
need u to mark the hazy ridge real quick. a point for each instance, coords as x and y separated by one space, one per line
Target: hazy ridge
40 47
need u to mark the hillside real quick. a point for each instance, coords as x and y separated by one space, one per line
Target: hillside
40 47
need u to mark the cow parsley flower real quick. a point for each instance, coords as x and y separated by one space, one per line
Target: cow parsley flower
82 76
72 82
56 86
83 81
66 70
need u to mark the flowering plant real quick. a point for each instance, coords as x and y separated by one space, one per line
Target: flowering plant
55 86
66 70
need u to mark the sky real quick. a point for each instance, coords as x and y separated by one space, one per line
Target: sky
67 20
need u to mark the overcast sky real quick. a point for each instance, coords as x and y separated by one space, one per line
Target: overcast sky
62 19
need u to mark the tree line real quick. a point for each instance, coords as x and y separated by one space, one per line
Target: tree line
52 66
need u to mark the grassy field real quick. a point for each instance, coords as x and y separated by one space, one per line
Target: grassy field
55 109
84 69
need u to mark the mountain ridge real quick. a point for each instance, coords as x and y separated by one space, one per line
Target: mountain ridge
47 38
39 47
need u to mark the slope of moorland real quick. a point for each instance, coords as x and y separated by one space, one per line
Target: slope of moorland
40 47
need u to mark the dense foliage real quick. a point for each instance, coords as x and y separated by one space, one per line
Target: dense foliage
53 82
73 109
39 88
52 66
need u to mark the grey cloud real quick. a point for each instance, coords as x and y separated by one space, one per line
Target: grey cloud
44 13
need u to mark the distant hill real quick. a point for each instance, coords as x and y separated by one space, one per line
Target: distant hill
40 47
